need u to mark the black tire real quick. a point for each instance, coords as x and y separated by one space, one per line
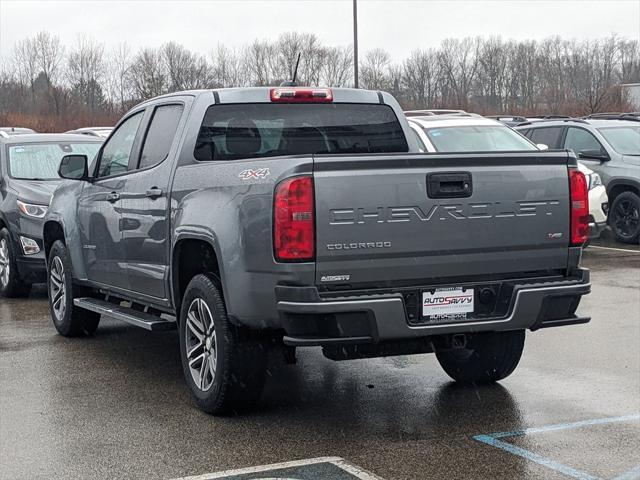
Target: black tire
486 358
237 358
11 285
69 320
624 217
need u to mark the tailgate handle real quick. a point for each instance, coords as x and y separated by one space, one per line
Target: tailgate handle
449 185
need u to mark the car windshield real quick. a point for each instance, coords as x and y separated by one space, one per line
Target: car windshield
237 131
624 140
477 138
40 161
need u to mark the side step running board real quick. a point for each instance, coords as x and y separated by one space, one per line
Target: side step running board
134 317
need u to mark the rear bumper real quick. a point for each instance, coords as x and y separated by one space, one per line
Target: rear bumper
310 321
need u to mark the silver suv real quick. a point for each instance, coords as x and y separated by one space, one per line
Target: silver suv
610 146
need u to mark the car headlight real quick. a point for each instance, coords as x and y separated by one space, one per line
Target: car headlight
594 180
32 210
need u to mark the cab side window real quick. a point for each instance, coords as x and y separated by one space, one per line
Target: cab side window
580 140
160 135
117 151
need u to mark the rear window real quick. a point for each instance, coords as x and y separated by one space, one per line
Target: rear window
235 131
477 138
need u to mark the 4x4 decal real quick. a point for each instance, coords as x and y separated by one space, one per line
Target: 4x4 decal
254 173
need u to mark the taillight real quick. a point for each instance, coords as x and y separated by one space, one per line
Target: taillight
293 220
301 95
579 191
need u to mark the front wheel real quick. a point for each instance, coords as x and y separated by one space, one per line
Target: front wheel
69 320
10 283
624 217
485 358
223 365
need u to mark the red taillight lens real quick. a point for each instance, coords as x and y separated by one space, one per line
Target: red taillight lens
301 95
579 207
293 220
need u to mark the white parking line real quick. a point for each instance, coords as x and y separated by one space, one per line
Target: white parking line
337 461
615 249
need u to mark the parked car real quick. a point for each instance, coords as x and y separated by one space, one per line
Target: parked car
28 177
299 217
609 146
102 132
12 131
478 134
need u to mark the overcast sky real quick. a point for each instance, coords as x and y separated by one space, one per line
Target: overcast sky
396 25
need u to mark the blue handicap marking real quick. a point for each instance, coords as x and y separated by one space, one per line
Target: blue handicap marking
494 439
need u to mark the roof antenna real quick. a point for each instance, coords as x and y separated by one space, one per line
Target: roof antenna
293 82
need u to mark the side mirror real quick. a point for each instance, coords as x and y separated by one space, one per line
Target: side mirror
542 146
74 167
594 155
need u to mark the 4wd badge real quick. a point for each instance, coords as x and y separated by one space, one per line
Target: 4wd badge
254 173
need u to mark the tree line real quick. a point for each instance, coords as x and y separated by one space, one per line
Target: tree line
51 87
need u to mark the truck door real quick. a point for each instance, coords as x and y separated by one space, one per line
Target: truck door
99 207
145 207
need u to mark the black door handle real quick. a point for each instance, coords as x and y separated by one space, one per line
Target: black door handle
154 192
449 185
113 197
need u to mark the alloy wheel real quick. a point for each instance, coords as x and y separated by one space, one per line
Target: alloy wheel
5 264
201 343
57 289
627 218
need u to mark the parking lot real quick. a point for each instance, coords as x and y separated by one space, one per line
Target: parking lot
115 405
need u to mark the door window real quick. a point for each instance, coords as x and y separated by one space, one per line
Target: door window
116 152
579 140
160 135
550 136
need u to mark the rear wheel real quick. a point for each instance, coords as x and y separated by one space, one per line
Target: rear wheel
69 320
485 358
11 285
223 365
624 217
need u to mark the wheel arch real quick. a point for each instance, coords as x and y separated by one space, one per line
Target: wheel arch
51 231
617 186
193 254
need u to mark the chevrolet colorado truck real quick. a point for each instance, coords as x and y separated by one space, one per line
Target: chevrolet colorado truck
261 218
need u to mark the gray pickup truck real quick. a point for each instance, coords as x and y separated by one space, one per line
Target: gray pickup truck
274 218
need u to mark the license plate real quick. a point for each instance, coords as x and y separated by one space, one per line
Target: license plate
447 302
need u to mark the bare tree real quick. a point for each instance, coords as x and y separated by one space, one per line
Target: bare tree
258 59
337 67
25 64
374 70
591 70
459 63
185 70
419 79
117 79
629 71
147 74
227 68
85 71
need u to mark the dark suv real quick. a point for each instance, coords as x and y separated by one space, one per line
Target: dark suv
28 177
610 146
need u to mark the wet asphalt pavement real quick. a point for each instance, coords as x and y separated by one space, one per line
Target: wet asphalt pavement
115 405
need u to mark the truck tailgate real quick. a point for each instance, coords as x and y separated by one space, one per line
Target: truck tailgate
433 217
